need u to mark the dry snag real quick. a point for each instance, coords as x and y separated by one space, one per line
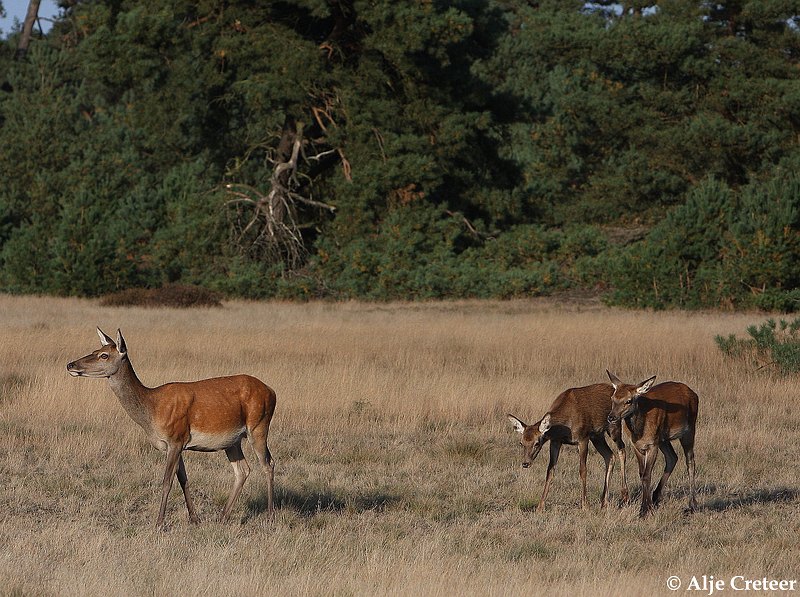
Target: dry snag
267 223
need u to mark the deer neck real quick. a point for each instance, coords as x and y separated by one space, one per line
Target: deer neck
132 394
635 422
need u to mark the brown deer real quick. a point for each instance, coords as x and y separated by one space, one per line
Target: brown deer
654 416
209 415
577 416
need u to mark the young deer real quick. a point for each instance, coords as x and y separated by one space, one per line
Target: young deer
577 416
209 415
654 417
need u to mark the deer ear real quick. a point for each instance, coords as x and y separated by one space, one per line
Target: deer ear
519 426
545 424
614 379
121 343
104 339
645 385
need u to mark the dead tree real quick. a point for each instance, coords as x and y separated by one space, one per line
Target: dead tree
27 29
266 223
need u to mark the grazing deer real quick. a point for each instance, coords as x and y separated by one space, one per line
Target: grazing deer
577 416
209 415
654 416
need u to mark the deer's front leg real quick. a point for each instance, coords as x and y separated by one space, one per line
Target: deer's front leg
583 451
555 449
646 471
173 457
616 437
183 480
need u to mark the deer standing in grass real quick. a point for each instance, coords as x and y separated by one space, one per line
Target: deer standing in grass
208 415
577 416
654 416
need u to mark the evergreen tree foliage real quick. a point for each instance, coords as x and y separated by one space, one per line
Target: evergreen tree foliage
722 248
772 346
407 150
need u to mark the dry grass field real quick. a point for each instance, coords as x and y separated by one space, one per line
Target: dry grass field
397 471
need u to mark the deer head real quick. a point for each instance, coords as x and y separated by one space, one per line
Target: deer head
624 400
533 437
103 362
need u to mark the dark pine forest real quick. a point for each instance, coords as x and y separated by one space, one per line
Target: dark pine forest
644 151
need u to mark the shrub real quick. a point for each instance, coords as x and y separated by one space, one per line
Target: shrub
769 344
173 295
721 248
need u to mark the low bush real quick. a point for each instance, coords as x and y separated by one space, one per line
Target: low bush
770 344
174 295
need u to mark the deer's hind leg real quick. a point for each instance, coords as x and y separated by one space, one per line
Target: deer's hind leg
688 449
241 470
602 447
671 459
258 439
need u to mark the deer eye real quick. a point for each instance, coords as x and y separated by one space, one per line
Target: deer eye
104 356
629 401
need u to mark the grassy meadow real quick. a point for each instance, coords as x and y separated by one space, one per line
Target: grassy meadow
397 471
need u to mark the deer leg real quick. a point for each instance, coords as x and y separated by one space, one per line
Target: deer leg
555 449
688 450
269 466
616 436
173 457
183 480
583 451
646 463
240 469
671 459
640 460
625 494
602 447
258 439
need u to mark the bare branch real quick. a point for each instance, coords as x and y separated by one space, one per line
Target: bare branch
379 137
470 227
308 201
346 169
266 223
322 154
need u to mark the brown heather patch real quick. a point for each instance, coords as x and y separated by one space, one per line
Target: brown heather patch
397 473
173 295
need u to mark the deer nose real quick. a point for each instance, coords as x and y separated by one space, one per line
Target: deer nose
611 418
70 366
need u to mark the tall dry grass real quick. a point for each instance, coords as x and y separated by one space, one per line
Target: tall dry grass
397 472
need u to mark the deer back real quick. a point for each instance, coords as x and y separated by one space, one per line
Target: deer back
214 405
669 410
583 411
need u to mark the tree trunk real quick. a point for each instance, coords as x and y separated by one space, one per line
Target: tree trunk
27 29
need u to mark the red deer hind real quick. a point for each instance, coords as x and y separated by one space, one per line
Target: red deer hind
577 416
209 415
654 416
